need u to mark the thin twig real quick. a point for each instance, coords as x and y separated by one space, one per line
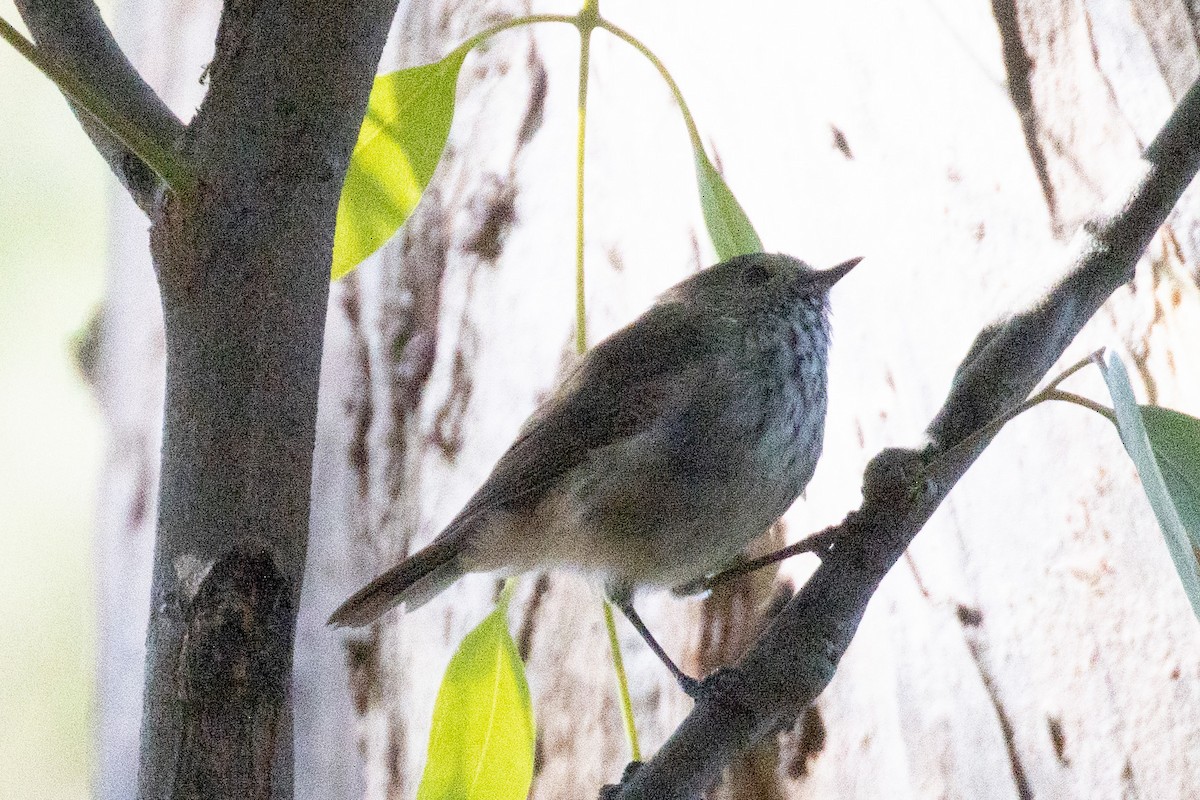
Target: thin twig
819 543
1080 400
125 118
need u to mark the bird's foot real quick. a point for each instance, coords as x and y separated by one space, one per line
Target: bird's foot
612 790
725 685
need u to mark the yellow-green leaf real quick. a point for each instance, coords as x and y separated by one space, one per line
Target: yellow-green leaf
399 145
728 226
481 745
1146 460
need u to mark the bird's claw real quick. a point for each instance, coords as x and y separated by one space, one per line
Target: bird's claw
610 791
725 685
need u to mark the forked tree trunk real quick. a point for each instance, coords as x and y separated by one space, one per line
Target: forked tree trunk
1034 642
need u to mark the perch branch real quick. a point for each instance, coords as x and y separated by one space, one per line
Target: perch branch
796 656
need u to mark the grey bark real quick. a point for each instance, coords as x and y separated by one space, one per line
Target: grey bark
244 275
242 266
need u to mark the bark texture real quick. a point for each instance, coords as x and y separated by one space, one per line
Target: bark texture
1033 641
242 268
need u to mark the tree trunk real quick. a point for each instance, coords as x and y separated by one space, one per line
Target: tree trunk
1034 642
241 253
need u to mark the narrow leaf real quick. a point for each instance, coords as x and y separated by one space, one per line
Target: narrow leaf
1137 444
481 745
1175 438
399 145
728 226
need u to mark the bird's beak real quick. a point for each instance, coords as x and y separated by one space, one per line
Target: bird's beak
834 274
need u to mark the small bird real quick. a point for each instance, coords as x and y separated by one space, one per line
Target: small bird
672 444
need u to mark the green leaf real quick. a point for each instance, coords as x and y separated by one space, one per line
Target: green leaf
1146 459
399 145
481 746
1175 438
728 226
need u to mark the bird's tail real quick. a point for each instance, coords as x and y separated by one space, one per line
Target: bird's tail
414 581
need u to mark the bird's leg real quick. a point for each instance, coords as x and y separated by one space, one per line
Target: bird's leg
705 583
691 687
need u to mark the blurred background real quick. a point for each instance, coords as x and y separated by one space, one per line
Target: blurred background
52 238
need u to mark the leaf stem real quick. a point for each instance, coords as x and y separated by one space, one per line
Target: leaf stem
165 161
586 22
499 27
635 43
1080 400
506 593
1090 358
614 646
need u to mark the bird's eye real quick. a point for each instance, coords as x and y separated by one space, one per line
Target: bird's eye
756 274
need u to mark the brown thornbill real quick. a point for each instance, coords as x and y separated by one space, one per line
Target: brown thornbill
673 444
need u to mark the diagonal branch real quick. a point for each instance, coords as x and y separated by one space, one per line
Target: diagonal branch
73 36
796 657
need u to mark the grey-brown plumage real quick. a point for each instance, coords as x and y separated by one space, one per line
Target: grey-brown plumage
673 444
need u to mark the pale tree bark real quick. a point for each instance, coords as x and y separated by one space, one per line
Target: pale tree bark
130 367
1033 641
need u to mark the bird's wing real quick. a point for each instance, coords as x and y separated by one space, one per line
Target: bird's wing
621 387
